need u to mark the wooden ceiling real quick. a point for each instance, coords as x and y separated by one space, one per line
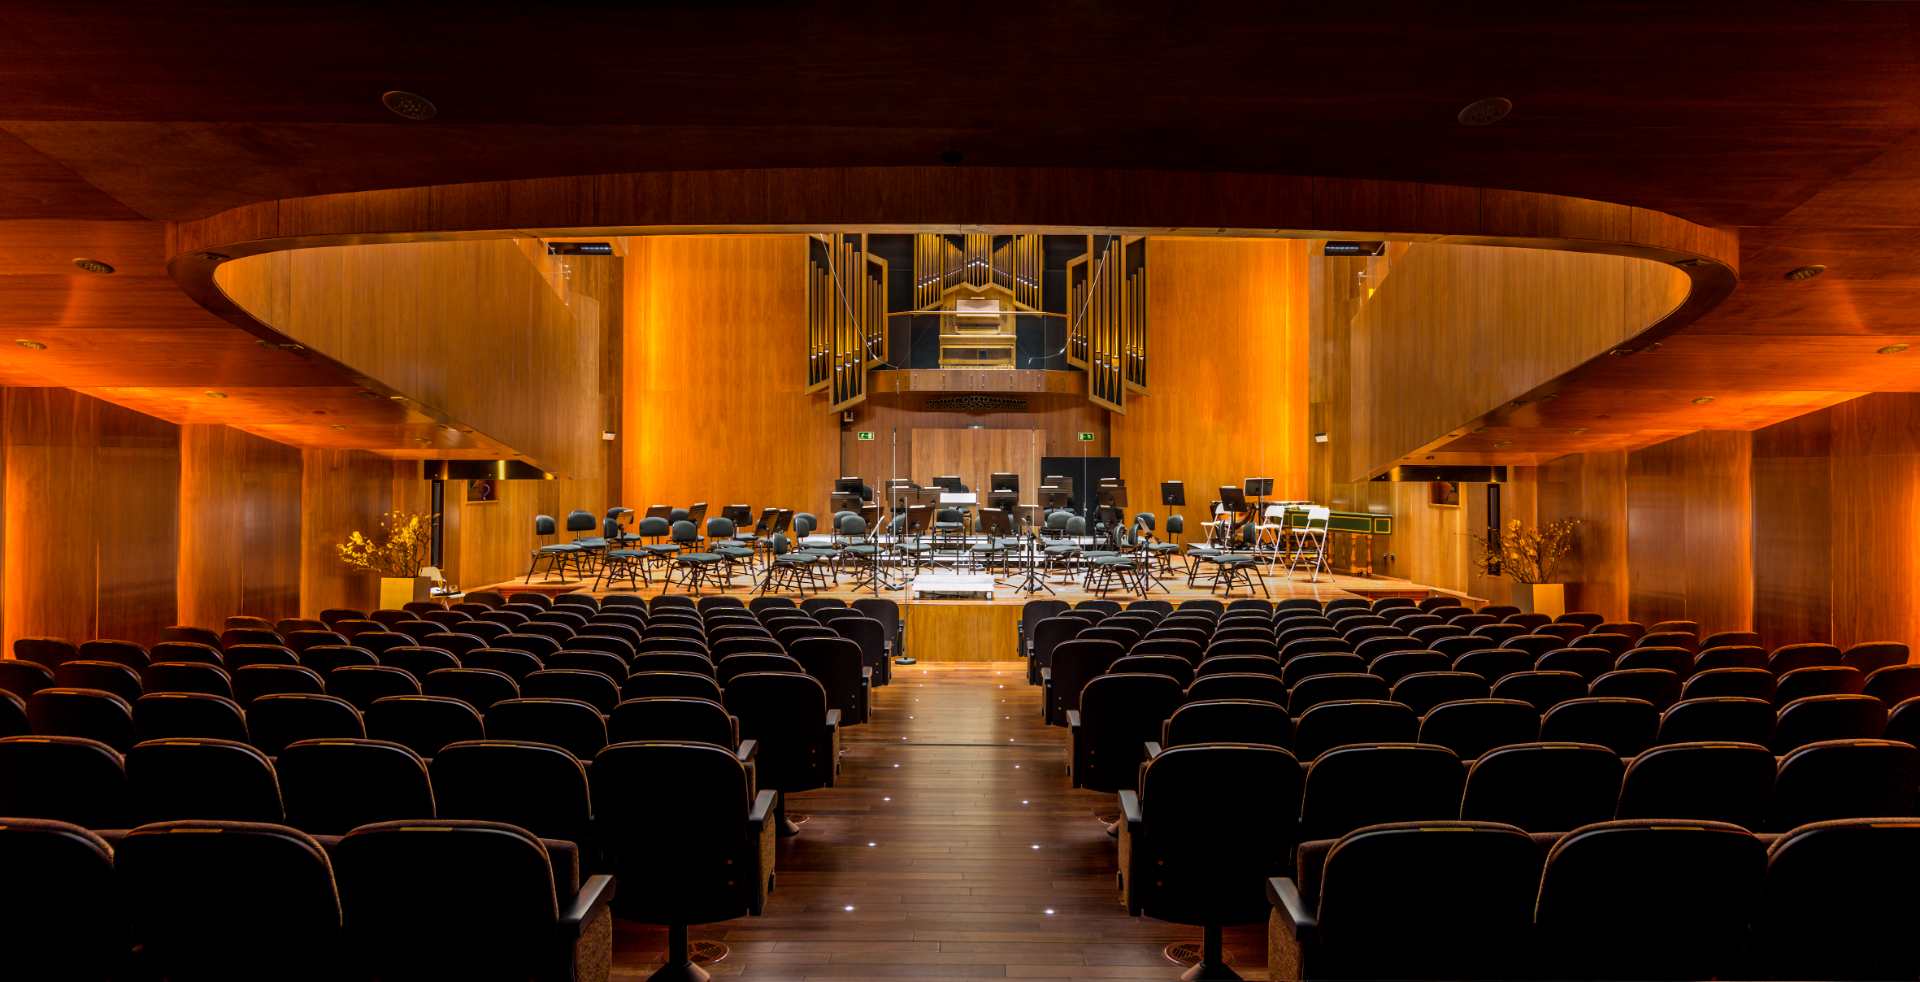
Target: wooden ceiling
1796 125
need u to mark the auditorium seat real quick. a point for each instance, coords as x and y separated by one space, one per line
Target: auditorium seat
23 678
65 779
362 684
332 786
477 687
1340 722
1117 717
1614 644
454 643
61 914
221 780
89 713
1648 899
676 718
1393 666
324 658
693 661
1712 781
1746 683
1295 643
1471 727
418 660
707 858
1730 656
1845 779
1788 657
239 656
423 724
1723 718
536 786
1492 664
1319 663
1368 784
13 715
381 642
1238 685
158 715
1227 721
1655 685
1543 787
798 735
1626 726
592 688
510 660
1893 684
569 724
836 663
50 652
1587 662
274 721
306 638
1534 644
1863 929
455 899
186 676
1424 690
1834 717
1543 690
1395 901
1687 641
1867 656
107 676
1672 658
1208 825
1727 638
1817 680
1075 663
1172 666
693 685
183 634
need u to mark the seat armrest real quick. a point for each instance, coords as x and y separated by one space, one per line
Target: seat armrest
762 809
1130 806
1073 719
1292 908
595 894
866 672
1153 749
833 718
1046 673
1134 853
745 752
760 846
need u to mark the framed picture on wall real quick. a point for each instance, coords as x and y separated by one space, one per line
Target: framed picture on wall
483 490
1444 493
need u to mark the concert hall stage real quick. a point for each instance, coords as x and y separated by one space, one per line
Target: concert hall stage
984 630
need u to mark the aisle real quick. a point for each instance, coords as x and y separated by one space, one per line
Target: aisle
952 848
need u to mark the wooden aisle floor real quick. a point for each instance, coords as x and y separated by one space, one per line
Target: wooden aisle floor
952 847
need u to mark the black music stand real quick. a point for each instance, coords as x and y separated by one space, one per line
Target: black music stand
1110 510
1235 502
950 482
1003 491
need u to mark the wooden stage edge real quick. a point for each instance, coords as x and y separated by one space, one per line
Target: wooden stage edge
985 630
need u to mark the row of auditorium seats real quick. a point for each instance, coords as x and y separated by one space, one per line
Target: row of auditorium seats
1346 858
1623 899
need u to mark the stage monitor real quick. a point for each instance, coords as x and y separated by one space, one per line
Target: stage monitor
1002 481
949 482
1259 487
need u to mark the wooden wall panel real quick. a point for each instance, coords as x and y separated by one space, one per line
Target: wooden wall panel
1876 519
715 407
1793 516
1592 488
1229 353
1455 331
975 455
91 495
1058 420
240 528
1690 530
341 492
492 334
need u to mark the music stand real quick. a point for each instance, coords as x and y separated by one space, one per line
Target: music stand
1111 510
1259 487
1062 481
949 482
840 501
1235 501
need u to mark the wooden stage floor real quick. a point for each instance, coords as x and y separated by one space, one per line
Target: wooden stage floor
951 848
984 630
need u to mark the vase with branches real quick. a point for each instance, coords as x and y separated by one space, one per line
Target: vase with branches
1526 555
399 548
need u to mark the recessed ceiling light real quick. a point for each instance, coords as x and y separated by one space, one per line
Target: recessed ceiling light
409 105
216 395
1485 112
1892 349
1805 272
93 265
30 344
1702 400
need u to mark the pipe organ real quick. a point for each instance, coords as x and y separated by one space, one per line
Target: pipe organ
1107 318
846 316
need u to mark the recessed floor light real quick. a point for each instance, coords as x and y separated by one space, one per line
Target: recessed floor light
30 344
1806 272
1702 400
216 395
409 105
93 266
1892 349
1485 112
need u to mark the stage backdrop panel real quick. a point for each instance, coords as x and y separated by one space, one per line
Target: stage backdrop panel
977 454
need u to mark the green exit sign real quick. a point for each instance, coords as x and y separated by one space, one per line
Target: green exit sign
865 436
1086 437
